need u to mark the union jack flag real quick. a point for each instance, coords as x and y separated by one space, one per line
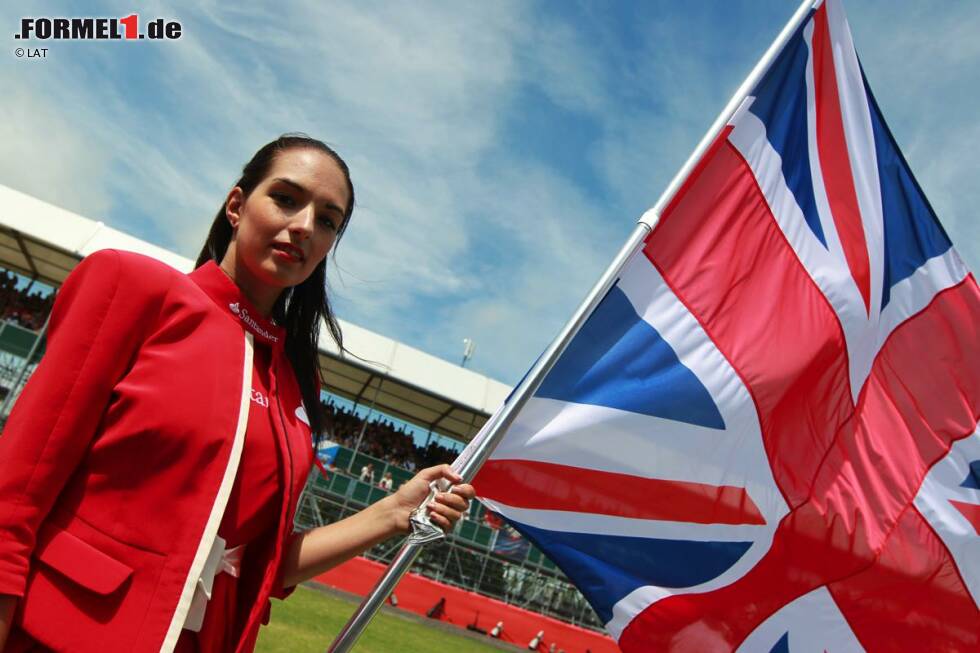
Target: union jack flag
765 436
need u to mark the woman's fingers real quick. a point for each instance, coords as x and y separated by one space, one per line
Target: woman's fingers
444 516
453 500
464 490
440 471
458 497
448 507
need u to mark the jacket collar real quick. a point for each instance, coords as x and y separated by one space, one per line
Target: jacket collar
230 298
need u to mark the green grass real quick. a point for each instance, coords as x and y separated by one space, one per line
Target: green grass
309 620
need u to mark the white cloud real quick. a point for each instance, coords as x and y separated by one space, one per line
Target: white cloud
455 235
550 242
71 174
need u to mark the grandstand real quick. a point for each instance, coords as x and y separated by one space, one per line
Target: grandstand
389 405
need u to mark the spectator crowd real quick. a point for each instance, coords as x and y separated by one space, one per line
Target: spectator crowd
383 439
28 309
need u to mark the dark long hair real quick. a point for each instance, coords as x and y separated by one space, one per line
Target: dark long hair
299 308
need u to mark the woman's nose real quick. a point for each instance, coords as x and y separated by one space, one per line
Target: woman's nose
303 221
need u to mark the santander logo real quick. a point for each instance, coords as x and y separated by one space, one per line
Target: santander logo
243 315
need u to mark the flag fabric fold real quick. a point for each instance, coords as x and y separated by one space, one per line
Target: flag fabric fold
765 437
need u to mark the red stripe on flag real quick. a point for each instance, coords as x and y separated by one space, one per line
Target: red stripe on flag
722 253
921 396
847 473
912 597
969 510
835 163
908 416
546 486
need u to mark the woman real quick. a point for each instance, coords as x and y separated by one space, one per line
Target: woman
150 471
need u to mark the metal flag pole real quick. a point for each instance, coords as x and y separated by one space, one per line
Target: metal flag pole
479 450
486 441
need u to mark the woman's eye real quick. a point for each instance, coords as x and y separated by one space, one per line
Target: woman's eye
328 223
282 198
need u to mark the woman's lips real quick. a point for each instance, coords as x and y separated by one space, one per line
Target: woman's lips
292 253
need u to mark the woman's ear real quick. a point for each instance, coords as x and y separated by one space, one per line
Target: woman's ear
233 206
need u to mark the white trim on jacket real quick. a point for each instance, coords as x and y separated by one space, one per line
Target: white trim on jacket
217 509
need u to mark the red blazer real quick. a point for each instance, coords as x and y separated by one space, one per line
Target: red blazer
119 456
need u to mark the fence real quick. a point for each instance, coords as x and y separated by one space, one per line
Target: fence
471 557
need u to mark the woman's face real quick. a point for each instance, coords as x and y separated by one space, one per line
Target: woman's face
289 222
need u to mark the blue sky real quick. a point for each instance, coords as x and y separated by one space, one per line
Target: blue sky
501 151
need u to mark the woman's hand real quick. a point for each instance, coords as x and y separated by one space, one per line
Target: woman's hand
323 548
447 508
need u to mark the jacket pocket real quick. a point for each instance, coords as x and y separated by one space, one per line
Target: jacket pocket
89 592
81 562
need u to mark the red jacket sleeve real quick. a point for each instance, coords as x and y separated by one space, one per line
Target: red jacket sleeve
100 317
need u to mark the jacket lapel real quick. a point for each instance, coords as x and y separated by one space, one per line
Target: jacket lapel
218 507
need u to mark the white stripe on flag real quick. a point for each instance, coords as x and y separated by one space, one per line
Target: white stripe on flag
859 135
812 623
613 440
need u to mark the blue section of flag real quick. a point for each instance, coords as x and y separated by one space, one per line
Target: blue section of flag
780 103
972 479
619 360
913 234
608 567
782 646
